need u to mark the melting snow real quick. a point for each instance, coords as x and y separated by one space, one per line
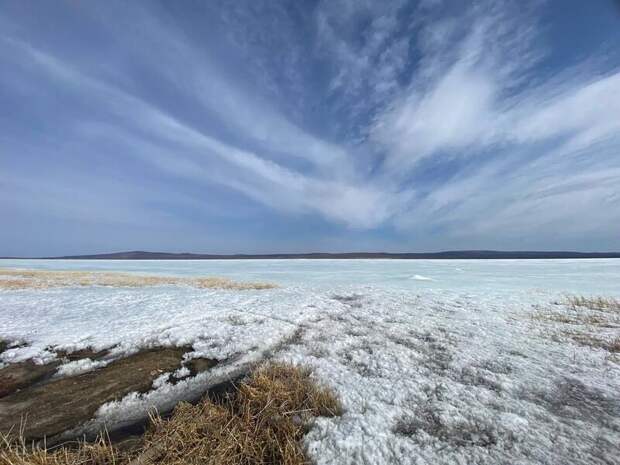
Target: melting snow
452 370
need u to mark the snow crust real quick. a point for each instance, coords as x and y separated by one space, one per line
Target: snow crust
448 371
78 367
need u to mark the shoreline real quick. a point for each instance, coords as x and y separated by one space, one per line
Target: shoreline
444 255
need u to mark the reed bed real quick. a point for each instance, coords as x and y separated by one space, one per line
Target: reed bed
45 279
261 422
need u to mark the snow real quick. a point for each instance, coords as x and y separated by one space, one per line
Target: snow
448 370
78 367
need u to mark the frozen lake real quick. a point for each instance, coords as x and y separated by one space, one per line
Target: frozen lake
590 276
436 361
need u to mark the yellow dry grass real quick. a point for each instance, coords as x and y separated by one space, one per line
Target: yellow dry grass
594 321
602 312
573 318
262 422
45 279
101 452
603 304
585 339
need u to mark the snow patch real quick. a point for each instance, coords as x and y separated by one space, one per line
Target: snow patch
78 367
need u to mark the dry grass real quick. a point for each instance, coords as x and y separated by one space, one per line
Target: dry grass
573 318
602 312
261 423
594 321
603 304
101 452
597 342
44 279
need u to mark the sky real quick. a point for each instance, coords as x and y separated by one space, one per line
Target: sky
285 126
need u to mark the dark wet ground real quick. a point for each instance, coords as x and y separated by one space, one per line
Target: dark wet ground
44 406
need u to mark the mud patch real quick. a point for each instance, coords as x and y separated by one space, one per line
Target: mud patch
352 300
21 375
59 405
199 365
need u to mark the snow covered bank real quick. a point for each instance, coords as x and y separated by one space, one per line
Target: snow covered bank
428 372
455 381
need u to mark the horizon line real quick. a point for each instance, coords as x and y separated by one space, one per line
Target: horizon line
465 253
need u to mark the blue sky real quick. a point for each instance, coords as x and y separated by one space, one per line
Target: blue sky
341 125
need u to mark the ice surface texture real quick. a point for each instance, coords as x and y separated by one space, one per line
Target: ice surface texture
449 370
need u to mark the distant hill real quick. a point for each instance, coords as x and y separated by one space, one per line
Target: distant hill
456 254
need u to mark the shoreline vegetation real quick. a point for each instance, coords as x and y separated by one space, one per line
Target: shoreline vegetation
44 279
261 421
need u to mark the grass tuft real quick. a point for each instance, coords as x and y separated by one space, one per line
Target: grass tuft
18 452
573 318
262 422
593 320
604 304
589 340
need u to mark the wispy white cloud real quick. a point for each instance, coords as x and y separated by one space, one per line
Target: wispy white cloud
480 91
196 155
526 134
517 149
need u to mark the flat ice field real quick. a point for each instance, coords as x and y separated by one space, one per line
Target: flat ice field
436 362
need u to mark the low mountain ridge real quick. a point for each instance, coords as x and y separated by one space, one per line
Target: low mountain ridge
450 254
